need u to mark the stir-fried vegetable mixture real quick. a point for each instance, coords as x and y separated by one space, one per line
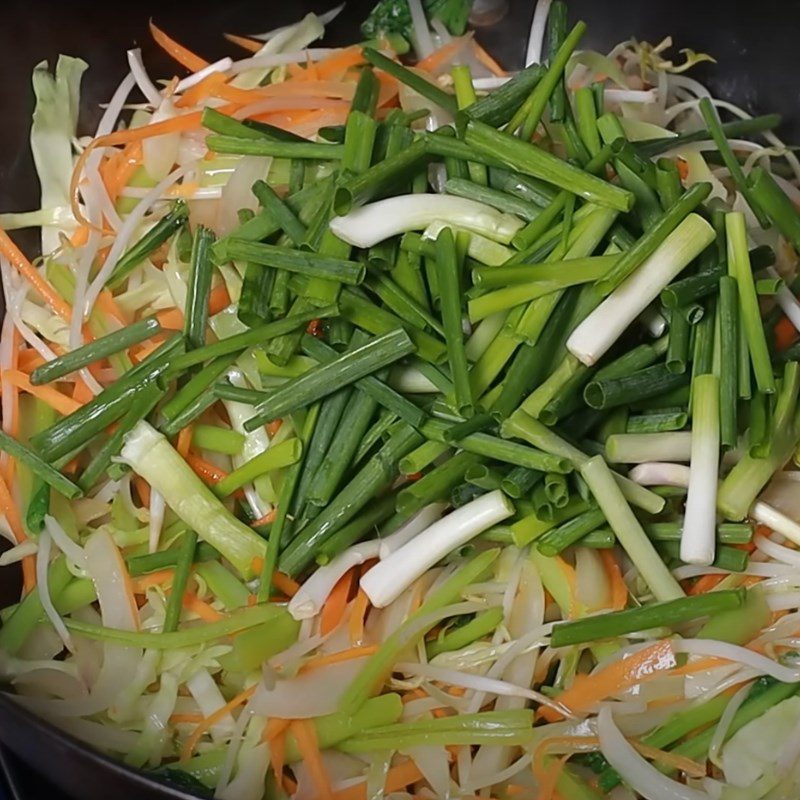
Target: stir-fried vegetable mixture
377 429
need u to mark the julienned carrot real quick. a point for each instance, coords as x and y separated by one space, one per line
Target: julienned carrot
200 91
619 591
142 489
186 719
171 319
275 733
205 469
586 691
158 578
53 299
335 606
442 56
273 427
705 584
355 625
184 441
398 777
338 658
211 720
218 299
47 394
251 45
284 583
80 237
338 63
785 334
181 54
265 520
486 59
305 735
81 393
12 515
207 613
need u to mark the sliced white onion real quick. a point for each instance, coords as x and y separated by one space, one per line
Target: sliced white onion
740 655
724 724
638 773
42 564
312 693
374 222
15 554
777 551
159 153
325 18
72 550
311 596
146 86
209 699
237 193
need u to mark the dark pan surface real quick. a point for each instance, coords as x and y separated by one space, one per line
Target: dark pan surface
755 44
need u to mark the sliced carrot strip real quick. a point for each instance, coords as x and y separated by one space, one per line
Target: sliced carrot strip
218 299
251 45
398 777
338 63
55 399
144 582
186 719
181 54
586 691
171 320
336 604
53 299
441 56
785 334
273 427
184 441
619 591
265 520
285 584
358 614
142 489
305 735
200 91
211 720
191 602
12 515
338 658
204 469
705 584
486 59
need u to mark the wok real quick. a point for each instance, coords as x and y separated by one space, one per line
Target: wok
755 44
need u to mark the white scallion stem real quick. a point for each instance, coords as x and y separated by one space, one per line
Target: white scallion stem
533 52
374 222
636 448
150 455
387 580
629 532
411 529
314 592
598 332
659 474
423 41
698 537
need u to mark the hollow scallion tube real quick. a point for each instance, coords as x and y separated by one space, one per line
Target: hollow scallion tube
778 207
531 160
196 313
658 421
570 532
447 271
436 484
728 309
628 530
321 381
275 457
664 614
649 382
739 268
100 348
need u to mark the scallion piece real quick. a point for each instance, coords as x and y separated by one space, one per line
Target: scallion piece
200 274
235 145
668 614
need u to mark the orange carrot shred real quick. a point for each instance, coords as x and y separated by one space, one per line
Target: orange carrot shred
265 520
335 606
211 720
184 441
47 394
181 54
205 469
273 427
785 334
191 602
338 658
358 614
398 777
53 299
619 591
305 735
12 515
280 580
251 45
486 59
